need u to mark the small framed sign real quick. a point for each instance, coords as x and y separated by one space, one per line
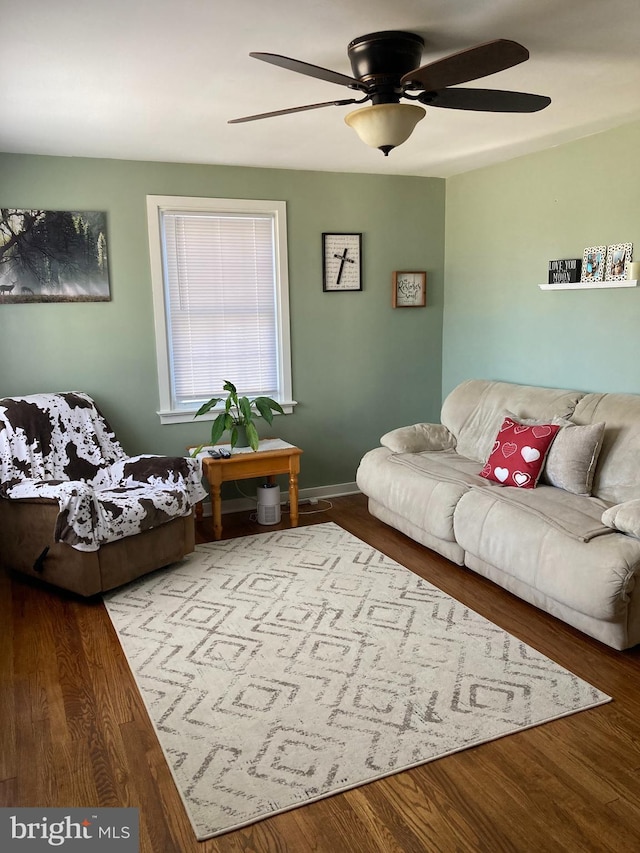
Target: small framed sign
409 289
341 262
565 271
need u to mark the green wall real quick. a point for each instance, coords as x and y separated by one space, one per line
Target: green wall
359 366
503 225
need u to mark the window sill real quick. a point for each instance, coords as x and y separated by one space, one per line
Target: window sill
186 417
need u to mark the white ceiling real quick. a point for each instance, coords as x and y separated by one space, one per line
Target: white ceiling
159 79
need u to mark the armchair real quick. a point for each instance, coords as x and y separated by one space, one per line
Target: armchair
75 510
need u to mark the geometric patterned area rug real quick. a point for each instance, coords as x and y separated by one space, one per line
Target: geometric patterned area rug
284 667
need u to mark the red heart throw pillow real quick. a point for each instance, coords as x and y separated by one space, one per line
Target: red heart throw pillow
519 453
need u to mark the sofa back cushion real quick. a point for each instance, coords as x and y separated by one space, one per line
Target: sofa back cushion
54 437
474 411
617 475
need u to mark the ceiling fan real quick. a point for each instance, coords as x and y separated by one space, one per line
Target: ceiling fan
386 68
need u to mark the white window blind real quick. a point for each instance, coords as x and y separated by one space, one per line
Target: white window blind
224 311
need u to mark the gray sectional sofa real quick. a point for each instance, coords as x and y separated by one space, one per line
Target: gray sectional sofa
571 545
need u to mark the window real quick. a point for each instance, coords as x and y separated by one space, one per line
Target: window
221 300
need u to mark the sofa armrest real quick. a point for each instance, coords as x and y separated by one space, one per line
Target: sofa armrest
179 472
50 489
418 438
624 517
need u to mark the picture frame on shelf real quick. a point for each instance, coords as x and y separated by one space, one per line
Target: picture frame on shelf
593 264
409 289
619 257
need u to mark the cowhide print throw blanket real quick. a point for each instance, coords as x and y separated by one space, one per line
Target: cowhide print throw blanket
59 446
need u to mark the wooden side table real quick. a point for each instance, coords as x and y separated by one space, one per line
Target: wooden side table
278 457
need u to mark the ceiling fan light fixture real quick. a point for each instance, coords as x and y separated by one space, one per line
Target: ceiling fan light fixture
385 126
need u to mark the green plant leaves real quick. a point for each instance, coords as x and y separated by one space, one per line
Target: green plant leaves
222 422
206 407
264 405
252 435
244 411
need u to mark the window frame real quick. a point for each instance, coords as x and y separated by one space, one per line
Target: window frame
156 205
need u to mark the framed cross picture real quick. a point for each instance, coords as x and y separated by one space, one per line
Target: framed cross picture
341 262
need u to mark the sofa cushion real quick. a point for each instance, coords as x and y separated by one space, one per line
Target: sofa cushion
474 411
617 476
424 488
624 517
572 458
571 461
593 577
518 454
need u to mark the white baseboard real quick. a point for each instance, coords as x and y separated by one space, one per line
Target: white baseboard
304 496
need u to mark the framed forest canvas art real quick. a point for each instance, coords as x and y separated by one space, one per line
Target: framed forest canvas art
53 256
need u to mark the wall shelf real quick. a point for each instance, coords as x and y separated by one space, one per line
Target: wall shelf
589 285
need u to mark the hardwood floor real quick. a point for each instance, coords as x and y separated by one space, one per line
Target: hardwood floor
74 732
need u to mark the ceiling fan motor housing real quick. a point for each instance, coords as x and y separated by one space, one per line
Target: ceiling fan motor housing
381 60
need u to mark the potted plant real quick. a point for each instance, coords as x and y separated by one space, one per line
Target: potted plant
238 417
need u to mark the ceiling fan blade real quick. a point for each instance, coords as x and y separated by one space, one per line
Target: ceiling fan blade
294 110
310 70
470 64
485 100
